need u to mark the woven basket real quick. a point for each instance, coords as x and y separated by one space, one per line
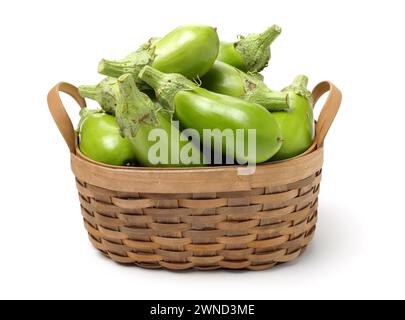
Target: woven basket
207 218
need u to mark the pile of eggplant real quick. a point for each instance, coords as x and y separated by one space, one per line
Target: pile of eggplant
188 99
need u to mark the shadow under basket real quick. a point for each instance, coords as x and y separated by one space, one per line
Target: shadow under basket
201 218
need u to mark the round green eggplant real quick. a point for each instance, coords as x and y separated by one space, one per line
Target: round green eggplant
100 139
200 109
297 124
251 53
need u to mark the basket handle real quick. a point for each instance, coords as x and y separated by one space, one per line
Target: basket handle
59 114
329 110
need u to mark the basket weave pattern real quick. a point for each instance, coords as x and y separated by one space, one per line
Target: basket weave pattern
201 218
254 229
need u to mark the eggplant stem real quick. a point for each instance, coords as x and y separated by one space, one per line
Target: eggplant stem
89 91
267 37
300 81
118 68
255 48
166 85
134 107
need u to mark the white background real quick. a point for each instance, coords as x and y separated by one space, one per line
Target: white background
358 251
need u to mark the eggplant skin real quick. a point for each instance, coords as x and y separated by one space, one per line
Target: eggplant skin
224 79
101 141
297 126
141 145
190 50
229 55
201 109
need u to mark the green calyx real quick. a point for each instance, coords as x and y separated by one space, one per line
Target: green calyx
134 108
117 68
255 48
148 46
299 87
256 91
131 64
166 85
105 93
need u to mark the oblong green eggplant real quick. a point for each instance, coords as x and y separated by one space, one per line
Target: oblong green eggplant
297 124
189 50
100 139
251 53
137 115
226 79
201 109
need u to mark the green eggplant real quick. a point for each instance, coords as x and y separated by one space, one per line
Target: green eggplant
202 110
251 53
137 115
100 139
226 79
189 50
297 124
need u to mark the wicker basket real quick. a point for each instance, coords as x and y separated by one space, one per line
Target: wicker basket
206 218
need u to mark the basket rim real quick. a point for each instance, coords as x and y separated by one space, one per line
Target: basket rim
195 180
80 155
